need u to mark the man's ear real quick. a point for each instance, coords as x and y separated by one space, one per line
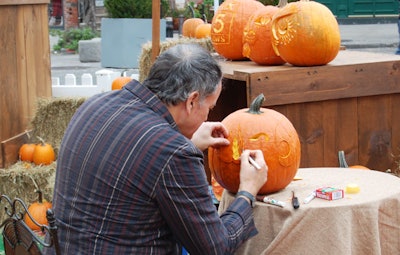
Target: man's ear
192 100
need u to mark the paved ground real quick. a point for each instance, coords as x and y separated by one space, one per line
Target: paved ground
380 38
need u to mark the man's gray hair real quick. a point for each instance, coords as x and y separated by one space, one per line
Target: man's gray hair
181 70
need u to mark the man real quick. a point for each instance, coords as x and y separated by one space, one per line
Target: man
130 181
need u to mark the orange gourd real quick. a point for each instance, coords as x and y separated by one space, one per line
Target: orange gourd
203 31
343 162
305 33
257 37
120 81
217 188
38 212
44 154
228 24
26 152
189 26
257 128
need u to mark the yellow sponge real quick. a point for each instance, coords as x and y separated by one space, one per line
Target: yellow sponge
352 188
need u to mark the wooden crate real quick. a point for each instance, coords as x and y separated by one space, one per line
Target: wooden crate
351 104
25 73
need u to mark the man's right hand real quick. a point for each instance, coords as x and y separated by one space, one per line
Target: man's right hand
251 178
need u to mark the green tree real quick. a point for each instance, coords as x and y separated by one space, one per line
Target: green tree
133 8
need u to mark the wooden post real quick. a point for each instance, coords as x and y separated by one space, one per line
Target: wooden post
25 72
156 29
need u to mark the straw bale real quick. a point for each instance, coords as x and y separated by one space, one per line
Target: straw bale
22 179
52 117
145 57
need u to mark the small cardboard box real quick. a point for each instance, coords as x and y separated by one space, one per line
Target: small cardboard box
329 193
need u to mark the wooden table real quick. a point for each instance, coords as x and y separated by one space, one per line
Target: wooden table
351 104
367 222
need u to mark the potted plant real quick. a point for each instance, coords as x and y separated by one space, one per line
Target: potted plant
127 28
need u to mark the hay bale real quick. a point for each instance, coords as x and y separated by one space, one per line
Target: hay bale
145 57
52 117
22 179
50 121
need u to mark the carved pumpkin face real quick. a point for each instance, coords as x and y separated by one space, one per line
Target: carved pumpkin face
305 33
228 24
257 128
257 38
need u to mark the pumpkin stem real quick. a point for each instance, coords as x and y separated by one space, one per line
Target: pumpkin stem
205 18
40 196
282 3
256 104
342 160
123 73
41 140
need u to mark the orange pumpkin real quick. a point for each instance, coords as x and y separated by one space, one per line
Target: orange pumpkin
189 26
44 154
26 152
203 31
257 128
228 24
217 188
305 33
121 81
343 162
38 212
257 41
359 167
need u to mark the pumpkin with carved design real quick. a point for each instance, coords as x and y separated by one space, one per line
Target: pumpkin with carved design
257 128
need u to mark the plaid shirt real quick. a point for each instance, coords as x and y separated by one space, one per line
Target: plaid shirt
128 182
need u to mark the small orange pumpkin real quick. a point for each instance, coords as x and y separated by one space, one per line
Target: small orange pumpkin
189 26
227 27
305 33
217 188
26 152
121 81
44 153
257 128
257 41
38 212
343 162
203 31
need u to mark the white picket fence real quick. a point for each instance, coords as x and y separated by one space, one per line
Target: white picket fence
87 88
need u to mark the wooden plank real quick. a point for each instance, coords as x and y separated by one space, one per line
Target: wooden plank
340 131
375 136
22 2
8 68
327 82
395 133
351 74
10 148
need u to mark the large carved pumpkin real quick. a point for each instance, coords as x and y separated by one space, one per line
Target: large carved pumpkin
227 26
257 37
257 128
305 33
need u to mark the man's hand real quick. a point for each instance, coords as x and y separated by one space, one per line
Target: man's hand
210 134
252 179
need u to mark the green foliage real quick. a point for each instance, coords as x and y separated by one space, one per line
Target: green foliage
133 8
69 39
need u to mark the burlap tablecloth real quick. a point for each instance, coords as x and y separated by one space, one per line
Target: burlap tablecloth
367 222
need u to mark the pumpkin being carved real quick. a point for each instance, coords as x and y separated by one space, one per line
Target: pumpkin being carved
305 33
257 128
